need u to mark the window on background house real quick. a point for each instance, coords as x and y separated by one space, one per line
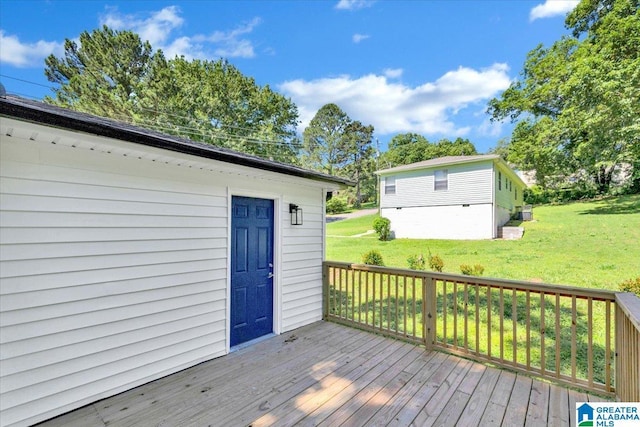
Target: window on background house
499 180
390 185
441 180
516 194
510 186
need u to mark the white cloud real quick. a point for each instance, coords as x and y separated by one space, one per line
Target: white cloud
231 44
156 29
490 128
393 73
20 54
393 107
357 38
551 8
354 4
160 25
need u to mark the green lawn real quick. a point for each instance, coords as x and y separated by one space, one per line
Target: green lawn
592 244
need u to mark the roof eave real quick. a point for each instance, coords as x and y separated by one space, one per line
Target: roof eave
109 129
421 167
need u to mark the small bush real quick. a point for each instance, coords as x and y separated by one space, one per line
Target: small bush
468 270
436 263
631 285
416 262
336 205
373 257
382 226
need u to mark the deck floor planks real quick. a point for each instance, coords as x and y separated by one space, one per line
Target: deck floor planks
332 375
387 414
431 410
364 397
354 352
497 405
426 392
558 406
311 399
118 408
335 403
196 389
479 398
246 389
538 410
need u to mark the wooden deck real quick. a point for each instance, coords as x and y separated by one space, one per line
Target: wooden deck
326 374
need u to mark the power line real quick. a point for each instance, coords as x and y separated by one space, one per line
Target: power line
26 81
173 128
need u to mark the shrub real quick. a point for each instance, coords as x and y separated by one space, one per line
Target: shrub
468 270
336 205
631 285
382 226
373 257
436 263
416 262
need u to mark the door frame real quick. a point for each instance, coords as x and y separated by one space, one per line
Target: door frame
277 257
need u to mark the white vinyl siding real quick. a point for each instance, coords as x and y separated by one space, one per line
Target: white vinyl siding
114 268
468 183
506 198
441 222
302 256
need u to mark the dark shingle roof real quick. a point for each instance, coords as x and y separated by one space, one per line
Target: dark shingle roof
46 114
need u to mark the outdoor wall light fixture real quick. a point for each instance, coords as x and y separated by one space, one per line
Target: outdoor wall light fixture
296 214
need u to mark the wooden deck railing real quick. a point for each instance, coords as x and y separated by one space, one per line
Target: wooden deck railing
627 347
562 333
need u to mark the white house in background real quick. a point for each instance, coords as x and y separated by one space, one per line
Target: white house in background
128 255
455 197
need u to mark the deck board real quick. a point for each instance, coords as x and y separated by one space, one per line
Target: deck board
330 375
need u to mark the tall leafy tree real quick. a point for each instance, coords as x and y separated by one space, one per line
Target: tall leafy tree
104 74
114 74
406 148
576 103
360 161
324 145
411 148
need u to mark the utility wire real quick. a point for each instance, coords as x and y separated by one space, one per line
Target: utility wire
177 128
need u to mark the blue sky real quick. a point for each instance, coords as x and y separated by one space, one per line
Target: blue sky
427 67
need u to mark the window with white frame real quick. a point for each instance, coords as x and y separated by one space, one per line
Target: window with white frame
390 185
441 180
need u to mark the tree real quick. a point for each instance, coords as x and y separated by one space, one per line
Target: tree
103 75
576 103
411 148
359 153
459 147
323 140
406 148
114 74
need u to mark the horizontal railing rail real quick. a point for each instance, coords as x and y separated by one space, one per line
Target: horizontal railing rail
562 333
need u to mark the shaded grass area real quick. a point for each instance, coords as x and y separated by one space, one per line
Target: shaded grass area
589 244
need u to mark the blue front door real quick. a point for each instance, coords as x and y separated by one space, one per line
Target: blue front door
251 268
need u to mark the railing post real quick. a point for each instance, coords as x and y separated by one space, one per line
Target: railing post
627 350
325 291
429 312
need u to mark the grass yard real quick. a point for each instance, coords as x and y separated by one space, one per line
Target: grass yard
593 244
